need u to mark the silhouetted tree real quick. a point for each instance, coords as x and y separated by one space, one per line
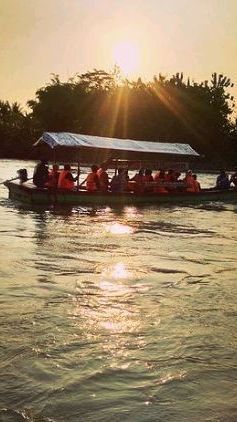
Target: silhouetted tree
103 103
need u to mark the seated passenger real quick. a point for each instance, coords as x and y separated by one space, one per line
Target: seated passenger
119 181
171 177
53 176
139 179
41 174
148 178
160 178
188 180
180 185
103 178
196 184
177 176
66 179
92 180
222 181
126 174
22 175
233 178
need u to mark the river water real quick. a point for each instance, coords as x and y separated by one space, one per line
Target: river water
117 314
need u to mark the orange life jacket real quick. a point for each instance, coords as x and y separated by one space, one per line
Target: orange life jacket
63 182
103 179
160 189
196 186
148 186
148 178
189 182
136 184
157 188
90 182
53 179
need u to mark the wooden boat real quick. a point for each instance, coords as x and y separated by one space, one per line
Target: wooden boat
93 148
27 193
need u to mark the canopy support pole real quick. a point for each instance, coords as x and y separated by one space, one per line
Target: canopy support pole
78 175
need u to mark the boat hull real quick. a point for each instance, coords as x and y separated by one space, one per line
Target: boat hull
35 196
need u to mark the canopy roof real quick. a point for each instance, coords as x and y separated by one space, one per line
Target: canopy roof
72 140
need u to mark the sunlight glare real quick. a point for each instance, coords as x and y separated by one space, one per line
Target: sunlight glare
120 271
126 56
117 228
115 272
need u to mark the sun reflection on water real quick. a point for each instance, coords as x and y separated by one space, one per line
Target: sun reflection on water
120 271
117 228
116 271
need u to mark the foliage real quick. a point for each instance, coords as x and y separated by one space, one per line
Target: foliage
104 104
16 131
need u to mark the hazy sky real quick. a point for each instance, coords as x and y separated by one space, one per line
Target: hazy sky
40 37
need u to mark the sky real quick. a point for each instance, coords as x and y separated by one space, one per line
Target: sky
145 37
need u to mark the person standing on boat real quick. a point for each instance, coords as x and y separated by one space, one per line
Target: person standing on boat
92 180
41 174
103 178
222 181
66 179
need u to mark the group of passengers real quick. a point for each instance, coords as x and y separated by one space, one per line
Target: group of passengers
143 181
54 178
165 181
223 180
98 180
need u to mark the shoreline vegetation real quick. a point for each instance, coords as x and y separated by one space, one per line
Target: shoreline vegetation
102 103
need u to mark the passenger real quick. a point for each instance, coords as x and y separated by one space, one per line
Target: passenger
196 184
119 182
160 178
92 180
66 179
188 180
22 175
41 174
177 176
148 175
222 181
233 178
148 178
126 175
160 175
139 178
180 185
103 178
170 177
53 176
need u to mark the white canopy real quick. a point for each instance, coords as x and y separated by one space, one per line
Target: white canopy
72 140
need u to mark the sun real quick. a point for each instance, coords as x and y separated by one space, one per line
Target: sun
126 56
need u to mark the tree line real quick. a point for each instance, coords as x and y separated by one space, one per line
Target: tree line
165 109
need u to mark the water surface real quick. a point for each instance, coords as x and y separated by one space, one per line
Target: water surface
117 314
